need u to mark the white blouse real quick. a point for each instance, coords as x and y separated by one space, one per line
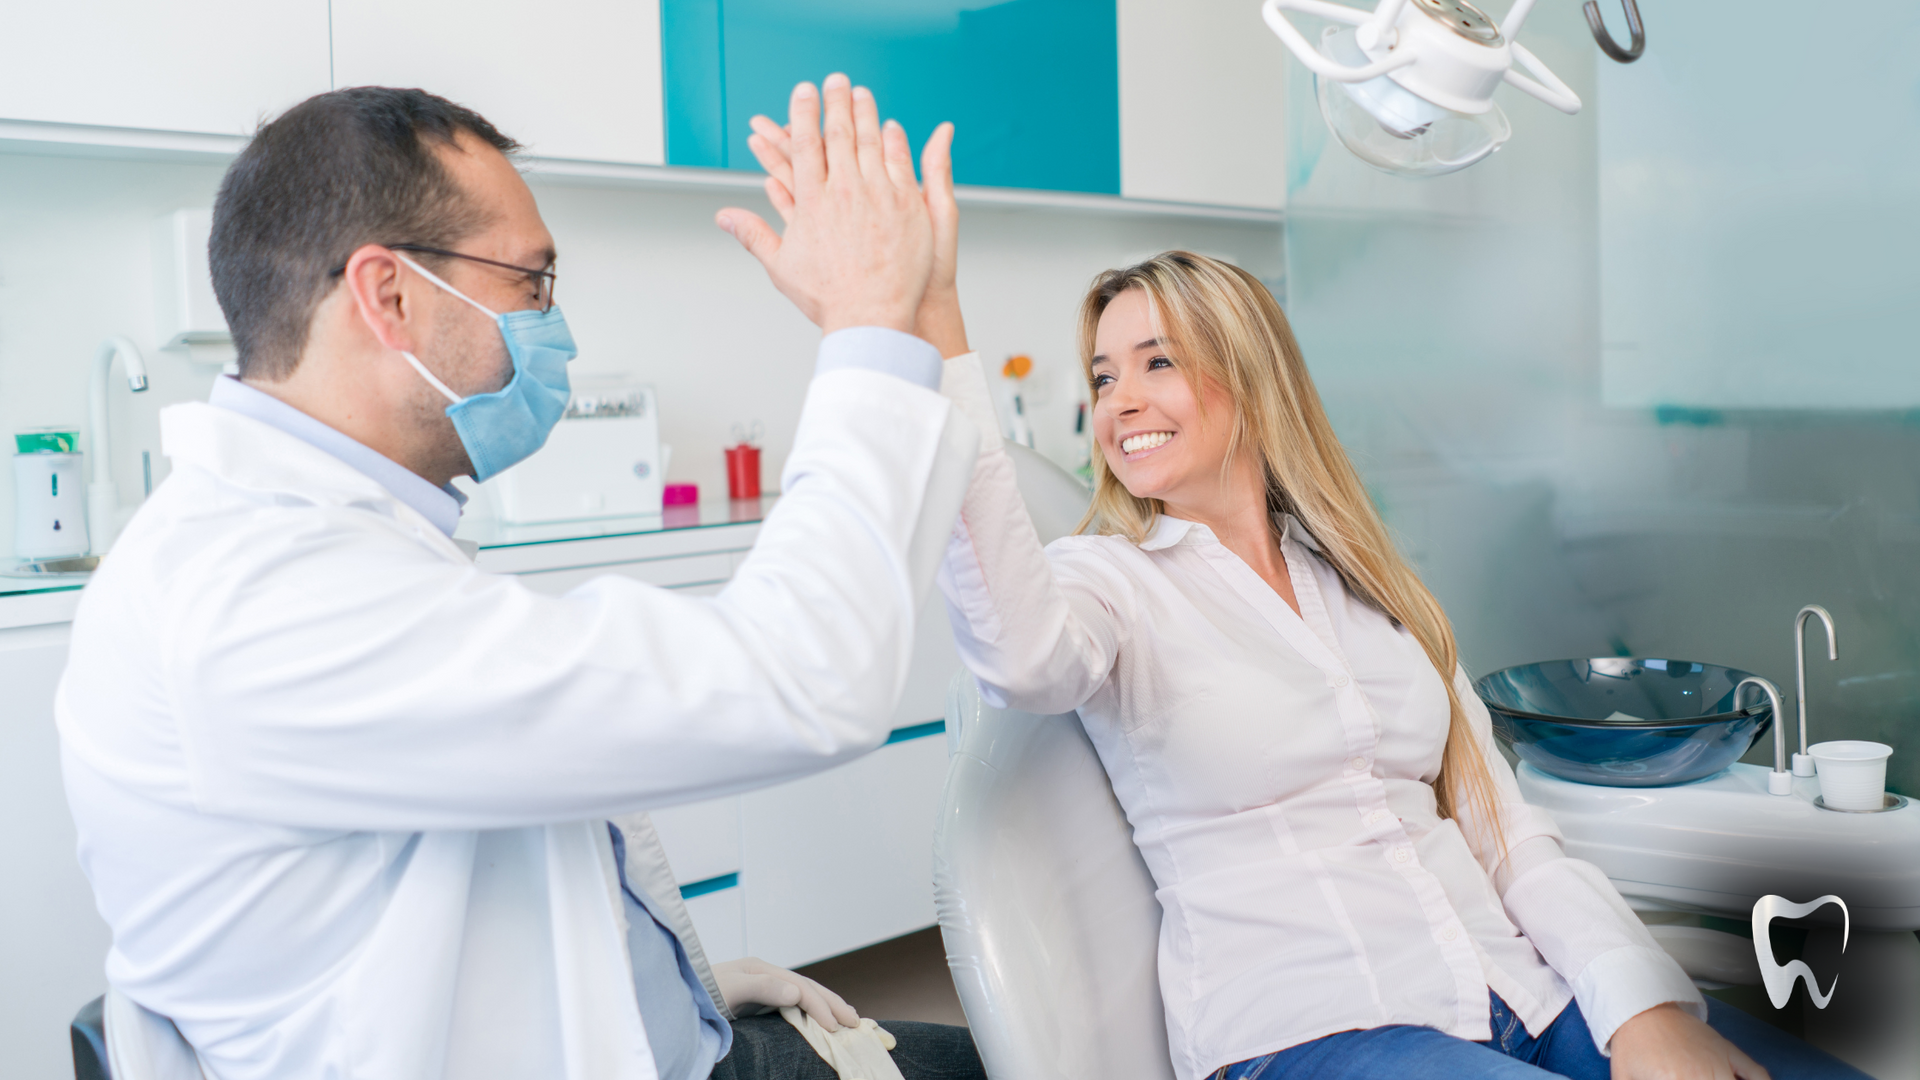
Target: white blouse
1277 769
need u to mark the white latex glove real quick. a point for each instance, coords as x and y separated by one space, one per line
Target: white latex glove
753 981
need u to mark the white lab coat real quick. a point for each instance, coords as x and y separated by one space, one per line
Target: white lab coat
341 795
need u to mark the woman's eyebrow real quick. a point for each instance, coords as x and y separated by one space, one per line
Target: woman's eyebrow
1097 361
1150 343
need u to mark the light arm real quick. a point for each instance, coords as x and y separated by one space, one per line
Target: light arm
1274 12
1567 908
1036 637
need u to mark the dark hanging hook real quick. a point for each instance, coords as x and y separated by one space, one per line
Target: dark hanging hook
1604 37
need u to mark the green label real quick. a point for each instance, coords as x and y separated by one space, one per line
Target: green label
47 442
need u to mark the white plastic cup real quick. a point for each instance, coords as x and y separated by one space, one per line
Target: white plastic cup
1853 774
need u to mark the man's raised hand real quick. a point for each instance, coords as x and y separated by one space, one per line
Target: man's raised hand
859 246
938 320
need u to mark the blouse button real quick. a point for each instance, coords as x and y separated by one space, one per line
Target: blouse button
1450 933
1376 817
1339 679
1358 763
1400 855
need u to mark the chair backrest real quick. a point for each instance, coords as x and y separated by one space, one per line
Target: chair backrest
1047 911
1056 499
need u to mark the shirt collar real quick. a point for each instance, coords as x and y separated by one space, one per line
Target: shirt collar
1291 529
1168 531
441 506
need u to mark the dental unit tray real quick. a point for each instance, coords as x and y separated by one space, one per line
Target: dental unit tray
1718 845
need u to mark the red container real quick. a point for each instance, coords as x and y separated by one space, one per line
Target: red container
743 472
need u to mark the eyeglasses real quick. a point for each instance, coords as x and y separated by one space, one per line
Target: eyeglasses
543 279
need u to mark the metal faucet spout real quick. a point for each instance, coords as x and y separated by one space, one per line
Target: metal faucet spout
1802 762
1779 781
103 500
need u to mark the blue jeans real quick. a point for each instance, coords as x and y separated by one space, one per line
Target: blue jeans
1565 1049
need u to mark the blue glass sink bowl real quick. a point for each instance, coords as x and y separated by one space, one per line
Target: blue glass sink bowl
1679 725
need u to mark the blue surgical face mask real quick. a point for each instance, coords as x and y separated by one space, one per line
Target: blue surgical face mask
505 427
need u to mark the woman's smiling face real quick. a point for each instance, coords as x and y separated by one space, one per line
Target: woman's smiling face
1148 422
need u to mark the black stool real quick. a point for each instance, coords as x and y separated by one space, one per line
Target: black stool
90 1042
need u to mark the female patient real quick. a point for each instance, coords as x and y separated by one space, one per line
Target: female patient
1351 882
1352 885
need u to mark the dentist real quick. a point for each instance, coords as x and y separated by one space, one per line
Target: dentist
353 807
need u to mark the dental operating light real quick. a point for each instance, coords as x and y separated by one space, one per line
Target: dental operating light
1408 87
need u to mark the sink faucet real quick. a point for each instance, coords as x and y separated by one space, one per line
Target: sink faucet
1779 781
103 499
1802 761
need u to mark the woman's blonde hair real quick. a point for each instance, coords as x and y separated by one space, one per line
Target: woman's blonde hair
1222 325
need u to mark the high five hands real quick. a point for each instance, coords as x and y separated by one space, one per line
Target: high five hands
864 245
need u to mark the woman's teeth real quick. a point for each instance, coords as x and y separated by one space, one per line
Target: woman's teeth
1148 441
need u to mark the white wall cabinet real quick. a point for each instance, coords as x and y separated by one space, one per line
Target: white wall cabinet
575 79
702 839
579 83
807 869
842 859
53 945
208 66
703 843
1202 104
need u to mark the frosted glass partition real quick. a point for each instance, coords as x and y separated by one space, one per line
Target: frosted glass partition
1745 443
1759 232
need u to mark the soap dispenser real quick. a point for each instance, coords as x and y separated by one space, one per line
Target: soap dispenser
50 500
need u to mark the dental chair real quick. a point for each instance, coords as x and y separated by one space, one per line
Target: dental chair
1047 911
1045 906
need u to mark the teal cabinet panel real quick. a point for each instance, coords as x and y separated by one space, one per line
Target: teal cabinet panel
1032 86
694 78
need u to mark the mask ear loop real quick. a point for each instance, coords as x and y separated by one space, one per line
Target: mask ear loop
432 380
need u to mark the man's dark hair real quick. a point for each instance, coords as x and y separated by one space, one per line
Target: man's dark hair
335 172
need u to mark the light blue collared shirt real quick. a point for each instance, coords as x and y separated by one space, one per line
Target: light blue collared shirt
438 505
877 348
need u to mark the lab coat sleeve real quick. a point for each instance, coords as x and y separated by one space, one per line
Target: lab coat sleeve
1566 907
1039 634
335 674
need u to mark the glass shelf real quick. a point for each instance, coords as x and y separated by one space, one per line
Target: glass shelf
489 533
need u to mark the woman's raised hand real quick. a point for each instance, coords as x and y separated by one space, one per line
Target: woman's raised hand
1668 1043
938 318
858 248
